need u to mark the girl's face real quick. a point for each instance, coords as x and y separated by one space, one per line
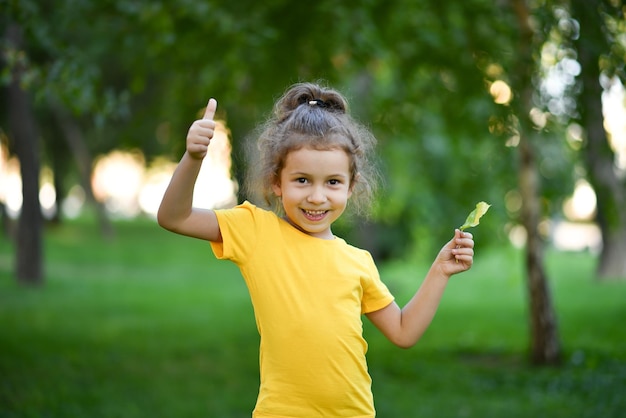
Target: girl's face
314 186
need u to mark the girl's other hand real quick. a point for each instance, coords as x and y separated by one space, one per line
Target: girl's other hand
458 254
201 132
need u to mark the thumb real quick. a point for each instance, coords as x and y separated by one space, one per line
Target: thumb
210 109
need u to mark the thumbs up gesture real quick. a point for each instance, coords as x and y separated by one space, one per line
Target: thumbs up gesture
201 132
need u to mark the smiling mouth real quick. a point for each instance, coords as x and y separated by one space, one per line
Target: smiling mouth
314 215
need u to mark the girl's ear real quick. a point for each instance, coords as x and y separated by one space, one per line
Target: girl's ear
277 189
355 180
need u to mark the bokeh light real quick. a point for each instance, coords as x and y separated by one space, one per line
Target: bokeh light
582 205
614 109
117 178
126 184
501 92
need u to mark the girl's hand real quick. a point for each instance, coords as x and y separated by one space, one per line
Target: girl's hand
201 132
457 255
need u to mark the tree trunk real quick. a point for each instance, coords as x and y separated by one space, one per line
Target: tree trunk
29 248
599 157
76 143
545 346
58 157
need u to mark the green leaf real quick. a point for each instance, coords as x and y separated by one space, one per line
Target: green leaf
473 218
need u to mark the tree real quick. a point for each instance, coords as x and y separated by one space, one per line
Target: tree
597 57
418 76
34 68
29 248
545 345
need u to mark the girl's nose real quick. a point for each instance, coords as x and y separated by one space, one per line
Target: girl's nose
317 195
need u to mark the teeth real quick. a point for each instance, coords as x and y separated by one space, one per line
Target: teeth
315 212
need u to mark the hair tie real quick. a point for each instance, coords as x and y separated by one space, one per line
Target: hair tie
318 102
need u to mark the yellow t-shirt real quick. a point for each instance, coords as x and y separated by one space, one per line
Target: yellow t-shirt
308 296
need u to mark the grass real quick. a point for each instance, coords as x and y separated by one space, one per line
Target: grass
151 325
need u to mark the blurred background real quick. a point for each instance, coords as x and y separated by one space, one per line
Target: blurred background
517 103
98 98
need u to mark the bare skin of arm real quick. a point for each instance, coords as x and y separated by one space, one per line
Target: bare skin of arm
176 212
404 327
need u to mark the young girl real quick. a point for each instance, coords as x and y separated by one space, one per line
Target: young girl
308 287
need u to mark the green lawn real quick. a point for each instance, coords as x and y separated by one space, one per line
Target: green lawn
151 325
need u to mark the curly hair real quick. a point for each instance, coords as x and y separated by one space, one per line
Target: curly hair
309 115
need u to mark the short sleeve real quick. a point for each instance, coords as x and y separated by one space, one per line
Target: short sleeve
239 232
376 295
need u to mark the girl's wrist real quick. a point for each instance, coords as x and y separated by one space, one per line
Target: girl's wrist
437 272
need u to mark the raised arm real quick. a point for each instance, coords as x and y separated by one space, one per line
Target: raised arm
404 327
176 212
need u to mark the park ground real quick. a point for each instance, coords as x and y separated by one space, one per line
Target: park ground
149 324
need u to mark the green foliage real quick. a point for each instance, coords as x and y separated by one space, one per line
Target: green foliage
135 74
152 322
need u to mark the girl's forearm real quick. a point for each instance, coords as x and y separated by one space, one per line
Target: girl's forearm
404 327
417 315
419 312
178 197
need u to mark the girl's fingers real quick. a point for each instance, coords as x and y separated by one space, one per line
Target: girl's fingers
464 240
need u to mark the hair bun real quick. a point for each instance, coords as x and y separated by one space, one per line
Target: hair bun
310 94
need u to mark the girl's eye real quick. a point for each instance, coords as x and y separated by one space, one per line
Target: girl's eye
301 180
334 182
